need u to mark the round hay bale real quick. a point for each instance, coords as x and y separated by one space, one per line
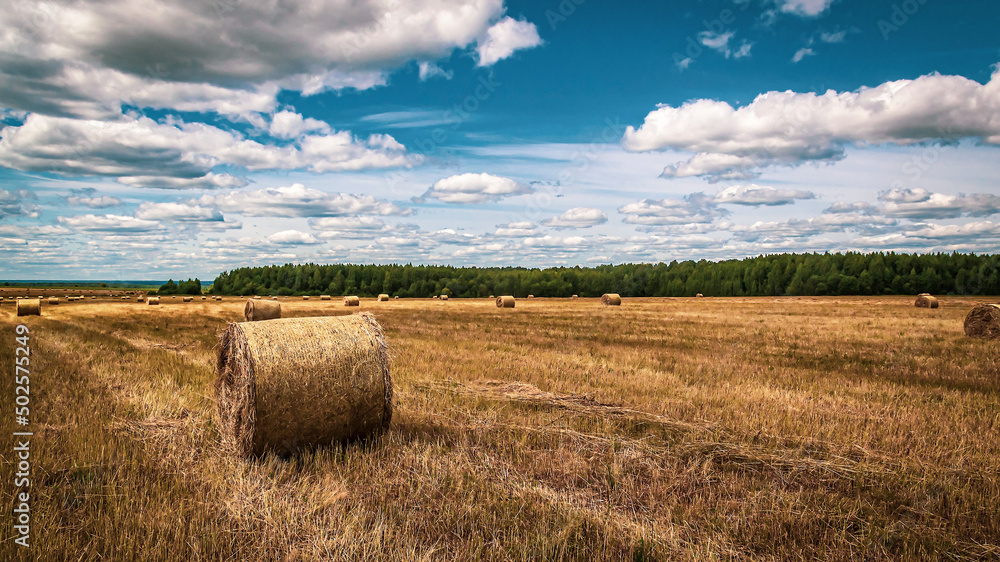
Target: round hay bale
296 383
29 307
383 297
531 296
257 309
305 297
218 298
699 295
352 301
324 297
396 297
925 301
505 301
492 297
153 301
53 300
187 299
138 299
203 298
575 297
983 321
444 297
611 299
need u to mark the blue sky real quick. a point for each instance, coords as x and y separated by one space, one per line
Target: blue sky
167 139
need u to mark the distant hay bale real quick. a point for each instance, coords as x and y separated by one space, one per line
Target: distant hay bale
444 297
138 299
505 301
352 301
983 321
203 298
575 297
699 295
153 301
324 297
274 298
257 309
305 297
396 297
29 307
925 301
531 296
187 299
218 298
383 297
611 299
124 298
492 297
53 300
297 383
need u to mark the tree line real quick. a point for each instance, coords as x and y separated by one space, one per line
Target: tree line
851 273
189 287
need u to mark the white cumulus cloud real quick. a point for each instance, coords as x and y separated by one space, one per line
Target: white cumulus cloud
579 217
474 188
504 38
757 195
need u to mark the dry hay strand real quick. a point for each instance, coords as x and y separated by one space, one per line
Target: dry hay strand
983 321
352 301
324 297
611 299
29 307
153 301
296 383
505 301
924 300
444 297
383 297
257 309
188 299
53 300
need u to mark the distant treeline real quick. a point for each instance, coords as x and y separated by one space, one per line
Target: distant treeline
189 287
775 275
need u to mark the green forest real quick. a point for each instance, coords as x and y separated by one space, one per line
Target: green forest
189 287
850 273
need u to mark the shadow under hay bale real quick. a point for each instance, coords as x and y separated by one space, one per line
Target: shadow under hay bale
257 309
983 321
29 307
611 299
352 301
924 300
297 383
505 301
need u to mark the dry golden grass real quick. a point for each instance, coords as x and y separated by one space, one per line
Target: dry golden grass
850 428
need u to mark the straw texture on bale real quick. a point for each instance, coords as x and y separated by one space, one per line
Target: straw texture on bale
352 301
257 309
383 297
983 321
296 383
324 297
505 301
153 300
188 299
29 307
53 300
444 297
611 299
926 301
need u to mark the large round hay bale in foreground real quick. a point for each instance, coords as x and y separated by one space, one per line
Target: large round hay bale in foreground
153 301
926 301
324 297
257 309
297 383
352 301
29 307
983 321
53 300
383 297
611 299
505 301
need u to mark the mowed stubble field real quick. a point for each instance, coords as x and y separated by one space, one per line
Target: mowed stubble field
662 429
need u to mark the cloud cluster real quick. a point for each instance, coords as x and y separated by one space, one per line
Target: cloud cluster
471 188
757 195
921 204
17 203
579 217
788 128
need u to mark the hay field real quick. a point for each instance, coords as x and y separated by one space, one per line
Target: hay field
697 429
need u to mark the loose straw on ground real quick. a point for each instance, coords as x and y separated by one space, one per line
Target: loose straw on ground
296 383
